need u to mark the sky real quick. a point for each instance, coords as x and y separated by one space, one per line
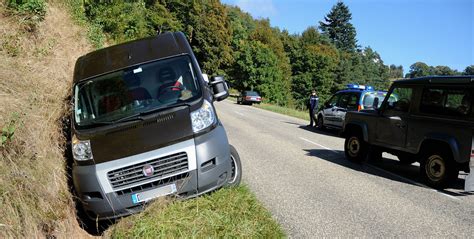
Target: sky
437 32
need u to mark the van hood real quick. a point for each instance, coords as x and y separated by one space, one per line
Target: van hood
125 139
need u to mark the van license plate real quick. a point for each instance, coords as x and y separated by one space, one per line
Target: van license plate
154 193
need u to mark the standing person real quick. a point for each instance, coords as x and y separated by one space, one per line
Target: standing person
313 107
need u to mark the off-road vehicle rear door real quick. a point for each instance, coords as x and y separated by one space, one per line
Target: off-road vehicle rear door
393 124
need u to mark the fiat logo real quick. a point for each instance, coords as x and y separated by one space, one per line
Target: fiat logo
148 170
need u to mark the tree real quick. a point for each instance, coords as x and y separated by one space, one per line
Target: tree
338 28
206 25
443 71
419 69
315 70
469 70
259 70
395 72
312 36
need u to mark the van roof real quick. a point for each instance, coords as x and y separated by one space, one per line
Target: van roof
123 55
468 79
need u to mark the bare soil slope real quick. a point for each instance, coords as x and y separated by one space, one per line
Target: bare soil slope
35 76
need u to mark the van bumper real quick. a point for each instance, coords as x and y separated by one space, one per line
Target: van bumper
211 171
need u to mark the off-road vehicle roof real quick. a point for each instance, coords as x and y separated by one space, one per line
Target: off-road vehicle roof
468 79
130 53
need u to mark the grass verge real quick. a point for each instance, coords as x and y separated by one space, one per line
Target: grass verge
230 212
284 110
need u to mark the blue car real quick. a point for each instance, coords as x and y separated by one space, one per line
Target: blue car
354 98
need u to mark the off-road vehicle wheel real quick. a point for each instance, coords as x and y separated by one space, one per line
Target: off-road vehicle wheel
236 171
437 169
355 148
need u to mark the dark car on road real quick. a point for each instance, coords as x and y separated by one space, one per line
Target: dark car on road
249 98
353 98
429 120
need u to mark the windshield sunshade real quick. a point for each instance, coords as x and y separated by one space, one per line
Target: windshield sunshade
143 88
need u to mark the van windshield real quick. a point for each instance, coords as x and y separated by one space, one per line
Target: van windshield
127 92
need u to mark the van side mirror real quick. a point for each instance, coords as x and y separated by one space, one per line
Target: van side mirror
219 88
375 104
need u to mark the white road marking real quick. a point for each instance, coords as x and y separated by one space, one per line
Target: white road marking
385 171
237 112
322 146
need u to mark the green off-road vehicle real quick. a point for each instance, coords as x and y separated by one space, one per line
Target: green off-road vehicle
430 120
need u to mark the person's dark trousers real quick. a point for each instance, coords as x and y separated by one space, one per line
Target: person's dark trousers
312 117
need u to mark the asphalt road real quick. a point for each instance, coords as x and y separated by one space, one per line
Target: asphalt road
301 175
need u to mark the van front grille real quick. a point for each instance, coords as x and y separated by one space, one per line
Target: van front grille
162 167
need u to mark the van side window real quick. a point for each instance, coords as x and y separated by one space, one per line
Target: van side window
400 99
445 101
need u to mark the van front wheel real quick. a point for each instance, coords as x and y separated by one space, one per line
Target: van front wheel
236 168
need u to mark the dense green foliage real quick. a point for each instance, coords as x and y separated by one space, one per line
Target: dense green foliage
226 213
420 69
469 70
32 12
252 55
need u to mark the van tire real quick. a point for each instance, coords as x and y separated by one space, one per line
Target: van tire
437 168
236 171
355 148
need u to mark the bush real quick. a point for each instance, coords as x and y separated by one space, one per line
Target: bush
33 7
32 11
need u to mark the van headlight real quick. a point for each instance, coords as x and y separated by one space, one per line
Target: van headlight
203 117
81 149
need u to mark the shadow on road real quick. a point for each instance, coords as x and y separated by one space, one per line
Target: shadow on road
408 174
328 132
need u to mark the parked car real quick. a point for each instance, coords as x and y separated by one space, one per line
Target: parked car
249 98
429 120
353 98
144 126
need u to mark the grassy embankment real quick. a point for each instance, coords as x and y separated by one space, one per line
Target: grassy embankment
35 77
226 213
284 110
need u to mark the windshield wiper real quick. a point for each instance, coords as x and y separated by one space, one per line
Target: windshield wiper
150 111
138 116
